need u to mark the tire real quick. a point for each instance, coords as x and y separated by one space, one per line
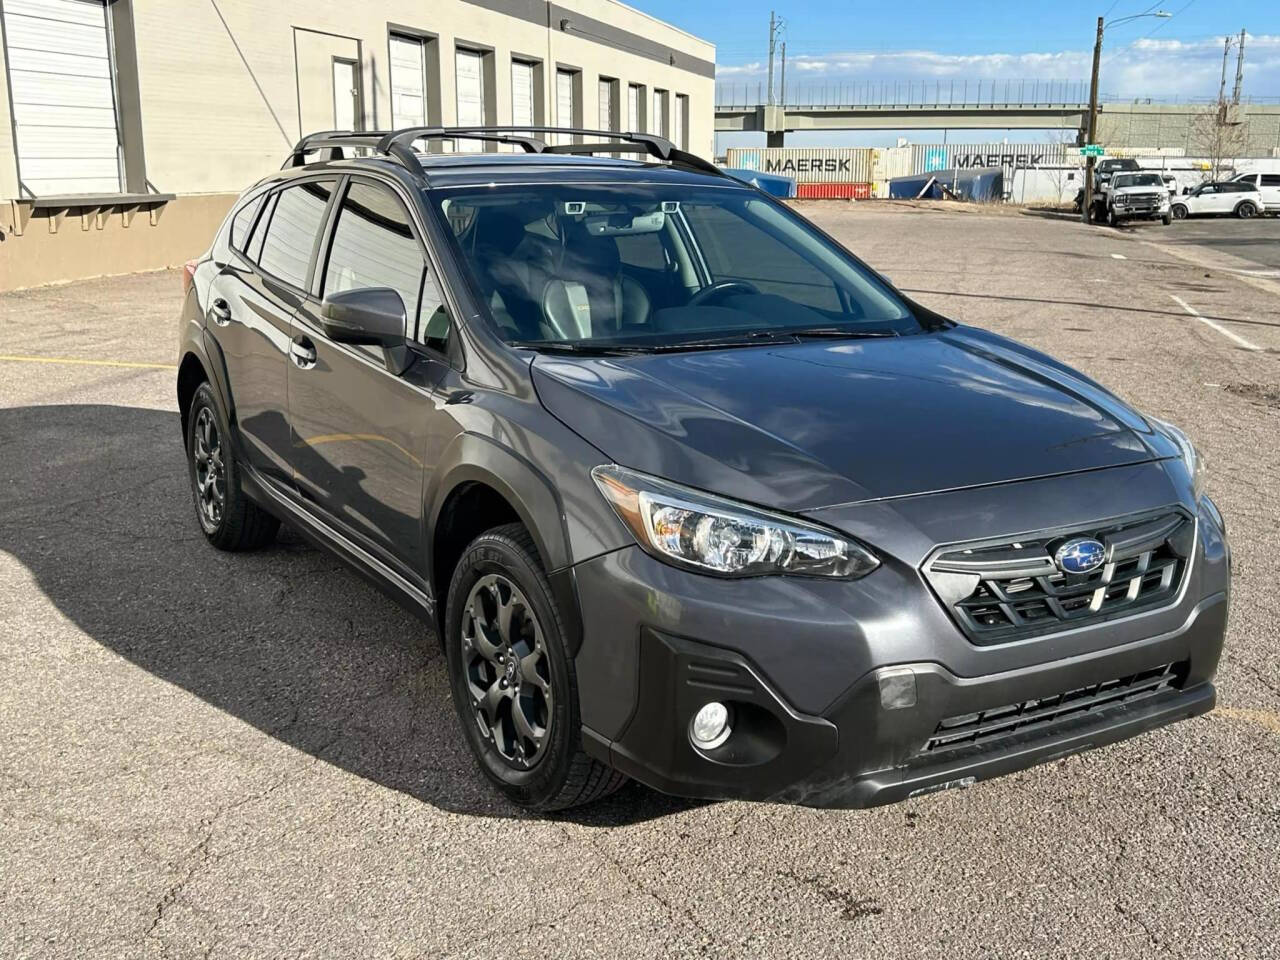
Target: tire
229 520
1178 211
528 670
1166 219
1111 217
1246 210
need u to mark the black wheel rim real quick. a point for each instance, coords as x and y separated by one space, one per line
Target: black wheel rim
210 472
508 675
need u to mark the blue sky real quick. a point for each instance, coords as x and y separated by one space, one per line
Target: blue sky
831 42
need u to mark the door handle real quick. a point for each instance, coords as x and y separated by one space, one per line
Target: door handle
303 353
220 312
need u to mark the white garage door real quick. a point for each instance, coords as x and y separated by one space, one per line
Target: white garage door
633 109
408 83
522 94
564 102
469 72
64 107
658 122
606 105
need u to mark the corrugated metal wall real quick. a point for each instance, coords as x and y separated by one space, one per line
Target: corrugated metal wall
927 157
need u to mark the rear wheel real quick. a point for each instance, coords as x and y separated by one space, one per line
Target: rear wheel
514 685
229 519
1178 211
1246 210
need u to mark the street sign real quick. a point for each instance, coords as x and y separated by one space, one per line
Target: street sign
1092 150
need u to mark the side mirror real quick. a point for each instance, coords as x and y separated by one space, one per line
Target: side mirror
1186 191
369 316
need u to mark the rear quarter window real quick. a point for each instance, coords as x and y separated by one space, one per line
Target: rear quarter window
242 223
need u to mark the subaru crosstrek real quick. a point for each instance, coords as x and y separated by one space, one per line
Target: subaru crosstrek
688 492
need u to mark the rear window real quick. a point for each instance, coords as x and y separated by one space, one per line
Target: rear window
291 232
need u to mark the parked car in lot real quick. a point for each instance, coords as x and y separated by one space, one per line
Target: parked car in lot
1219 198
1137 196
1268 185
687 491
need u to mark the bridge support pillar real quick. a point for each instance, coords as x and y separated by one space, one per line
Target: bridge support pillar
775 138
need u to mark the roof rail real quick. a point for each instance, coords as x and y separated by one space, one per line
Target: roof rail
398 144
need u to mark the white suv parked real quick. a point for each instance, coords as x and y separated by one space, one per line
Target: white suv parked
1223 197
1268 185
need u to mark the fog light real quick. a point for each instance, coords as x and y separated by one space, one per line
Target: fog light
710 726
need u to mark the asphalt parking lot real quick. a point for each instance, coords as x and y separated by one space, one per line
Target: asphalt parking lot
1257 239
255 756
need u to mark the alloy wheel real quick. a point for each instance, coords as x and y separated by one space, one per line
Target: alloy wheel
211 472
507 671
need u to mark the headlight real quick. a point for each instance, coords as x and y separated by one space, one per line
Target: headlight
709 534
1191 458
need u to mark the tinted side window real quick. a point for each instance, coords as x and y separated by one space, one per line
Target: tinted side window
374 246
254 248
1271 179
291 233
242 221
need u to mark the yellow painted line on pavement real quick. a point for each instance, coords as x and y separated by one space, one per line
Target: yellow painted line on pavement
74 361
1267 719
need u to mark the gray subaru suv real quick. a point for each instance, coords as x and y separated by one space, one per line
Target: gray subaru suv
688 492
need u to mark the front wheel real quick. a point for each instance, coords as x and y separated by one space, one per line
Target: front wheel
1112 221
1246 210
514 685
1166 219
1178 212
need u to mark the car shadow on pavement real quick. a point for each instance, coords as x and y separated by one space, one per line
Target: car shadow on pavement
94 503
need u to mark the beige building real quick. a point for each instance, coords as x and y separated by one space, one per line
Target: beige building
129 126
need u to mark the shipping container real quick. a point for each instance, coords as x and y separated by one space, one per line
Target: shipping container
807 164
930 157
833 191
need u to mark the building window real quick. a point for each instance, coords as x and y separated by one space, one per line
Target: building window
473 73
408 81
607 115
61 71
658 122
680 122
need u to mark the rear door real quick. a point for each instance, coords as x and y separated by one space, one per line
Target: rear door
251 304
360 432
1270 186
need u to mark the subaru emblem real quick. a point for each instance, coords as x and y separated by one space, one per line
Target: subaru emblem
1081 555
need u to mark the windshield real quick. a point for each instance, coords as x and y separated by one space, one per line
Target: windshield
1137 180
648 265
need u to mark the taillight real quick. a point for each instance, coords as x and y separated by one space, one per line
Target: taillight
188 276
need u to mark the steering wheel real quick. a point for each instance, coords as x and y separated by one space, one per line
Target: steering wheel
719 289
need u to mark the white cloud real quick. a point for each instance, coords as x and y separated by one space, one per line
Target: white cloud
1147 67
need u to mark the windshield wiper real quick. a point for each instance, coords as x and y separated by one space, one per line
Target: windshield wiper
841 333
577 346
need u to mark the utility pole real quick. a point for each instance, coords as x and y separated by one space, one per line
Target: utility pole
1087 211
1235 94
773 36
782 85
1222 87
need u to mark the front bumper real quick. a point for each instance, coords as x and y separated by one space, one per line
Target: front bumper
828 712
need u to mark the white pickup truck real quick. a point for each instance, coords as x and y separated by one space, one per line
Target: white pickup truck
1137 196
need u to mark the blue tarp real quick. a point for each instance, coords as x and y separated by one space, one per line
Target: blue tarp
771 183
979 185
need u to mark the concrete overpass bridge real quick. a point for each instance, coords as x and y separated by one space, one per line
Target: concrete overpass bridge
994 105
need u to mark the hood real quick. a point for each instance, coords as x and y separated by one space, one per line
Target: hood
808 425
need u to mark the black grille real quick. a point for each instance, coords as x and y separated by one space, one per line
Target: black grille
1009 591
1043 712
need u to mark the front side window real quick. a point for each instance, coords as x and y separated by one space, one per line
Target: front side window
651 266
290 234
374 246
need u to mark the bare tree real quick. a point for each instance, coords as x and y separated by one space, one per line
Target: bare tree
1219 134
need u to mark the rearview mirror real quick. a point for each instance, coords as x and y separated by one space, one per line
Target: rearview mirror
369 316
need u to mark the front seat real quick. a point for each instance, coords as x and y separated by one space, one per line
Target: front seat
590 296
510 273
